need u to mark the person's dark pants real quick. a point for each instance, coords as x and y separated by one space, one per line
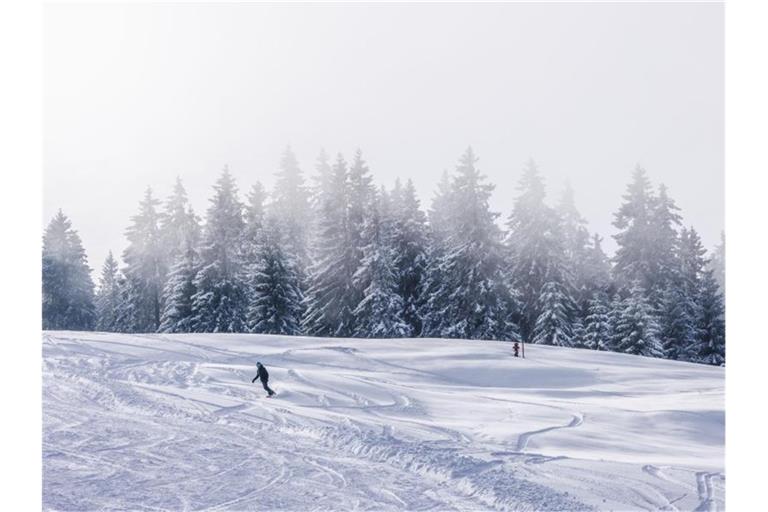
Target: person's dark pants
266 388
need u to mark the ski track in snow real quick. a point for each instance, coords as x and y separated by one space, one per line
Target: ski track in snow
172 422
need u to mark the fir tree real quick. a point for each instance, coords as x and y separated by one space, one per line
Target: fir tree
331 296
598 326
179 226
255 213
553 326
717 263
575 243
108 296
275 294
678 307
430 304
633 259
535 245
710 348
178 314
677 323
470 298
291 208
409 242
145 268
219 302
596 270
665 221
637 331
67 285
379 313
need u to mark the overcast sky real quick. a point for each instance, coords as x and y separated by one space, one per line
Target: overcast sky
137 95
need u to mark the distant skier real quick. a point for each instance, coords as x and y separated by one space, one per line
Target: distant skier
516 349
263 376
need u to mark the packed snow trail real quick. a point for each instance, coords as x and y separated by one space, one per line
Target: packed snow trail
172 422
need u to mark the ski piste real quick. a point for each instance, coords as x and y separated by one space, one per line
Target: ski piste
173 421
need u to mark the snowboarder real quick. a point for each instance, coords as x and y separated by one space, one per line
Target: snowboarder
263 376
516 349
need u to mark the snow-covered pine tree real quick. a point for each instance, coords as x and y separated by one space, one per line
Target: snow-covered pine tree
321 183
678 307
145 269
637 330
575 243
665 221
379 313
535 247
178 224
633 259
710 348
597 335
717 263
330 297
108 296
219 303
615 308
275 295
409 244
291 207
178 314
430 306
361 196
471 299
677 322
554 326
255 214
597 268
67 285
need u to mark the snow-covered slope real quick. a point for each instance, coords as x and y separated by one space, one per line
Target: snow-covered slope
147 422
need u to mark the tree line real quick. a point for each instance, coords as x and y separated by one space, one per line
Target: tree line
338 256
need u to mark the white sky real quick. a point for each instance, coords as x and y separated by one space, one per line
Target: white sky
138 94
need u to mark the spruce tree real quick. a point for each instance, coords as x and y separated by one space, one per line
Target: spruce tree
710 348
179 226
633 259
275 303
291 208
360 198
665 222
536 250
597 334
637 330
717 263
553 325
677 320
67 284
219 302
678 308
409 244
252 234
145 269
331 296
379 313
108 296
430 304
575 243
178 314
470 298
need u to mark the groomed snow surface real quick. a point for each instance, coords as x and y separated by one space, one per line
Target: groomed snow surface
172 422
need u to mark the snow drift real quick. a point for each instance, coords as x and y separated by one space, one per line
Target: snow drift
148 422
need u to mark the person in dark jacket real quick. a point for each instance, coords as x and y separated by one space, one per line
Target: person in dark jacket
263 376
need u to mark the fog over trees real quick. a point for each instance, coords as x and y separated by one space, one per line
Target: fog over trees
334 255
